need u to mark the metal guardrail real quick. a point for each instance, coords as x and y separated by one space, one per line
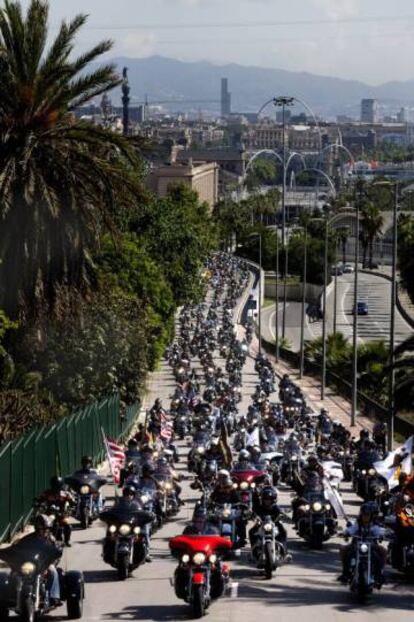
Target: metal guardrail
28 463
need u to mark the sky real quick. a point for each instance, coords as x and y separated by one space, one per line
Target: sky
368 40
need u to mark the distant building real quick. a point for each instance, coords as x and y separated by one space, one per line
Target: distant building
200 176
369 111
225 98
404 115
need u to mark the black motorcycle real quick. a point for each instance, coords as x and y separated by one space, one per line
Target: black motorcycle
26 589
86 486
125 546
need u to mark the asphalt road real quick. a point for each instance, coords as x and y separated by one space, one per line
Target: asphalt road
373 290
305 589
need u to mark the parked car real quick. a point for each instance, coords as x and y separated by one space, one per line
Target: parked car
362 308
338 270
348 268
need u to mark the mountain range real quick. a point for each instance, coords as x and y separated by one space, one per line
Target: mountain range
164 79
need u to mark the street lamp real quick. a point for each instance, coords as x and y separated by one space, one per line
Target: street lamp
259 297
391 386
303 311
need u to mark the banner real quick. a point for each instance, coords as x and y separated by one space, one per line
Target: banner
116 457
397 461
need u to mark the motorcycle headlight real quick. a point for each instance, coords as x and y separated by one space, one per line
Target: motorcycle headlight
182 418
306 507
294 458
168 486
268 527
253 485
226 513
213 558
327 506
52 517
235 486
244 486
317 506
363 472
371 472
201 450
364 548
112 529
144 499
185 558
85 490
137 531
199 558
28 568
125 530
181 370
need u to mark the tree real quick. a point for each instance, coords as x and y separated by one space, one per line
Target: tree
404 375
371 224
60 178
406 252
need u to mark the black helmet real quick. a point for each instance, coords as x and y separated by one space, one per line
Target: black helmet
269 493
42 521
148 469
364 434
57 483
132 443
129 491
86 461
200 512
244 455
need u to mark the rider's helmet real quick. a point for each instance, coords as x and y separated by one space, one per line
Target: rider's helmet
200 517
312 461
269 496
57 483
364 434
244 455
132 443
148 470
86 462
368 512
129 492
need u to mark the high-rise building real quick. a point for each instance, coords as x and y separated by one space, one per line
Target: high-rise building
225 98
369 111
404 115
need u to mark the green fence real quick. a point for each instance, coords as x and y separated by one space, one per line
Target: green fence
28 463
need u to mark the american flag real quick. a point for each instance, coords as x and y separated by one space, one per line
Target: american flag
166 428
116 458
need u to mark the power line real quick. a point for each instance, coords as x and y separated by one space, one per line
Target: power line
249 24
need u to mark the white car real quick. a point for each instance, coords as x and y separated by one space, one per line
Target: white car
348 268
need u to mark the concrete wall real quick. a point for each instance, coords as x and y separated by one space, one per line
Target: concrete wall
294 292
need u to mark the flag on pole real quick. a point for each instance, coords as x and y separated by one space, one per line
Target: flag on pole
397 462
167 428
116 457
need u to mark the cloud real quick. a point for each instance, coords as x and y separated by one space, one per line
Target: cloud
137 44
336 9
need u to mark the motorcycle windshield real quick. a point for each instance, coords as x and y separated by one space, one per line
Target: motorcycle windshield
79 480
119 515
30 549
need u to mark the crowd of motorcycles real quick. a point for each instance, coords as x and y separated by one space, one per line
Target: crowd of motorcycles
236 461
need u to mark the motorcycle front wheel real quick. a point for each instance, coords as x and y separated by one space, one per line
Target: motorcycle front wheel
28 613
269 562
123 568
198 601
74 607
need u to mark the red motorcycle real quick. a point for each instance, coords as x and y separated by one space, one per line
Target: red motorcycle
201 575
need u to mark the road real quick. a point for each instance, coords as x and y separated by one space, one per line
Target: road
305 589
374 290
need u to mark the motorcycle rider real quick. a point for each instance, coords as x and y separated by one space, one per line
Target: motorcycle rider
365 525
87 469
244 462
367 455
41 536
129 505
379 435
200 524
59 496
224 493
310 480
264 505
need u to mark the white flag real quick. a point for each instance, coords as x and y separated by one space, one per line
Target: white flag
397 461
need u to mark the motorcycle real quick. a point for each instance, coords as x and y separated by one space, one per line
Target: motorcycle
316 523
26 590
125 546
267 550
362 581
402 546
226 517
201 576
86 487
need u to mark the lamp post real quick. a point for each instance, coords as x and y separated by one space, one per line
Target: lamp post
391 385
354 408
302 319
259 285
277 297
283 102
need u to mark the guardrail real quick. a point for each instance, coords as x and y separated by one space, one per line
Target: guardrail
28 463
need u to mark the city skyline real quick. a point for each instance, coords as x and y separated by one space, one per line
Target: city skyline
336 38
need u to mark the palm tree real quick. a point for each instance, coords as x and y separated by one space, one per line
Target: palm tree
60 178
371 224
